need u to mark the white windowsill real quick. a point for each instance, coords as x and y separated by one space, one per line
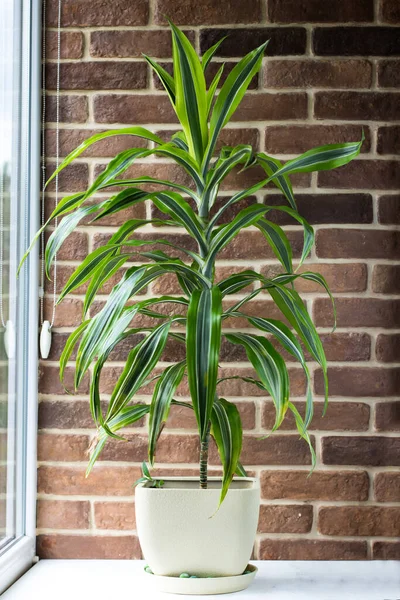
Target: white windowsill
276 580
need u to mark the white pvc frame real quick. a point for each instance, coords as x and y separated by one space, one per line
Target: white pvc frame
19 555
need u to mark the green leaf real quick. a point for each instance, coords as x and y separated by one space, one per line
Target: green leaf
292 307
190 87
127 416
323 158
278 241
203 339
308 231
272 165
208 54
161 403
136 131
231 95
69 347
108 268
64 229
174 205
246 217
226 429
269 366
102 324
165 78
213 88
121 201
140 362
236 282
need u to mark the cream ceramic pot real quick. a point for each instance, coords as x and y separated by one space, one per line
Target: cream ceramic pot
181 531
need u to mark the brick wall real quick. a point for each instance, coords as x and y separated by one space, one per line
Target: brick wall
331 69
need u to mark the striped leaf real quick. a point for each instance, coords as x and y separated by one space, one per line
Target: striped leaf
69 348
292 307
165 78
270 368
191 99
135 131
140 362
105 271
173 204
278 241
231 95
161 403
102 324
236 282
272 165
203 339
208 54
226 429
308 231
127 416
213 88
64 229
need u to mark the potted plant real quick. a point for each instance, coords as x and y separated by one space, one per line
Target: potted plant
200 526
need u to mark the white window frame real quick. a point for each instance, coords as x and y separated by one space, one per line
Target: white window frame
18 555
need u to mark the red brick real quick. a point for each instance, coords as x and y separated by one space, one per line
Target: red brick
360 381
356 41
387 416
118 108
348 106
388 140
390 11
304 549
211 13
389 210
175 448
340 416
274 450
262 106
374 451
359 520
131 43
357 243
370 174
63 514
349 73
252 244
81 546
73 109
68 313
102 481
358 312
63 274
108 147
71 46
74 178
346 346
63 447
324 208
49 380
238 179
96 13
387 347
284 11
386 550
284 41
184 418
386 279
387 487
285 519
294 139
341 278
99 75
322 485
388 73
115 515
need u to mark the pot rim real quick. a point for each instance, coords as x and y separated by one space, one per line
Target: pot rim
254 480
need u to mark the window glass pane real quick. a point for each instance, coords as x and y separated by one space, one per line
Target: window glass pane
10 201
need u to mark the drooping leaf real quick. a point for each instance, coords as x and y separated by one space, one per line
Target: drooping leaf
278 241
203 339
161 403
226 429
270 368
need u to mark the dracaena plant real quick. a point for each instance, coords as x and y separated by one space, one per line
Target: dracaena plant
198 322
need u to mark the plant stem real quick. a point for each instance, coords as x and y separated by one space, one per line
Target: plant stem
204 461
